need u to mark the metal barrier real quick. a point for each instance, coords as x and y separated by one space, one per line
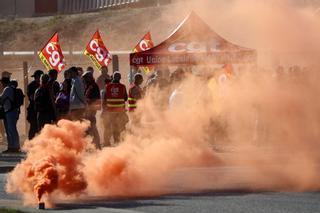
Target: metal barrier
28 8
76 6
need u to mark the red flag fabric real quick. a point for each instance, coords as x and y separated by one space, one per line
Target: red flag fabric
144 44
97 51
51 54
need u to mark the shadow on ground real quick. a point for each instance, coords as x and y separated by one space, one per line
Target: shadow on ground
102 202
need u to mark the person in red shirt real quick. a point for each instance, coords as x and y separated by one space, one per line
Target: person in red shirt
135 92
115 116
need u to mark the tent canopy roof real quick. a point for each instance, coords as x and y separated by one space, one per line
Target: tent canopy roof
193 42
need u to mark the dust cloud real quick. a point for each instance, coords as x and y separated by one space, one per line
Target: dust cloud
262 120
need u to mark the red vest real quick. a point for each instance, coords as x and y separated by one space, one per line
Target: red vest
115 97
132 100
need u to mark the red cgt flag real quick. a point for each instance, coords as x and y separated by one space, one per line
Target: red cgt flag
97 51
144 44
51 54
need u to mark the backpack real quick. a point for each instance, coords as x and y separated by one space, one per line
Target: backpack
18 99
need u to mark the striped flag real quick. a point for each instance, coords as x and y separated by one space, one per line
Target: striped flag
51 54
97 51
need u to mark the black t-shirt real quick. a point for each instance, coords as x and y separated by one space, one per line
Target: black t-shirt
32 87
92 92
42 100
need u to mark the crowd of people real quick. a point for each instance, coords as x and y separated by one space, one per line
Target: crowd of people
79 96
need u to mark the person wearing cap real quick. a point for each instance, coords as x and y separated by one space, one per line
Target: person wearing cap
31 113
10 116
115 116
78 101
6 74
92 94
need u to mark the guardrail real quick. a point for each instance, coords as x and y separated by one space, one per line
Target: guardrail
29 8
75 6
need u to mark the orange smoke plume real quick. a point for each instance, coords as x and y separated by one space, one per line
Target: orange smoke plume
53 163
45 174
267 124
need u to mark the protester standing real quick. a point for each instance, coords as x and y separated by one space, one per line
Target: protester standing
92 94
43 104
31 113
77 98
103 78
54 88
7 99
63 100
115 117
90 69
80 71
4 74
135 92
18 96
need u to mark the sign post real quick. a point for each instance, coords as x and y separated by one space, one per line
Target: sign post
25 88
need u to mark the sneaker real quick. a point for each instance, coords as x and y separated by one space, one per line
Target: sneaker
7 151
11 150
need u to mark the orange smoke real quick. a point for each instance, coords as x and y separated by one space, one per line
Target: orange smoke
267 124
45 175
271 130
62 164
53 163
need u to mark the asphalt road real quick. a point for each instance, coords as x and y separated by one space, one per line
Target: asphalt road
241 201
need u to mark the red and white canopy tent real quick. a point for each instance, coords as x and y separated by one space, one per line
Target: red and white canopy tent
194 43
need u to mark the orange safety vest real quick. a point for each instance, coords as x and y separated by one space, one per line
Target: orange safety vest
132 100
115 97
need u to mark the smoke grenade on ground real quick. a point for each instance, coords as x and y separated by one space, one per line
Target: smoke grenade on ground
53 163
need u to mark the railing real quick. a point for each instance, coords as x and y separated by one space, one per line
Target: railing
27 8
75 6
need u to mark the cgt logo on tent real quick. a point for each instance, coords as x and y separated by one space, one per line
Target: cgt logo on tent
194 47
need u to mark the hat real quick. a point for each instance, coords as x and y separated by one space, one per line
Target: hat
37 73
5 80
6 74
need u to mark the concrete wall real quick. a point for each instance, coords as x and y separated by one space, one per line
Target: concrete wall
19 8
26 8
6 8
